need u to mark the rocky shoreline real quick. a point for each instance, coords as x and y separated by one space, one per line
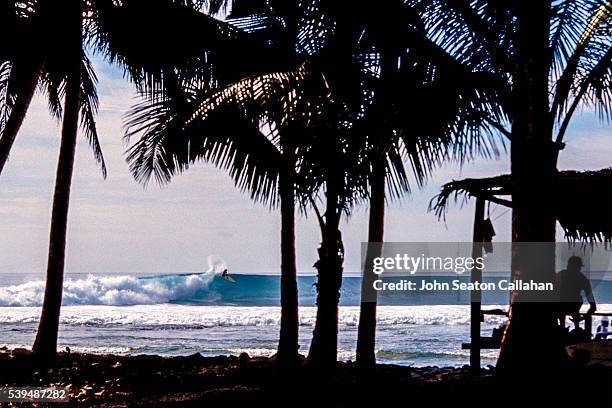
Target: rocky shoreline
154 381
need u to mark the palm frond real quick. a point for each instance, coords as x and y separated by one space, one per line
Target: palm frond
397 177
315 27
159 121
185 44
596 85
278 98
88 110
53 83
172 137
466 103
15 78
475 32
570 21
6 101
583 49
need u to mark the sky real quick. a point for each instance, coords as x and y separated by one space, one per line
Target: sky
119 226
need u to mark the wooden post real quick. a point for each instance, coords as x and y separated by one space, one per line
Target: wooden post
588 325
476 296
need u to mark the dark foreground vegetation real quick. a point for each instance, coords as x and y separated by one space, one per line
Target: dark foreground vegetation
153 381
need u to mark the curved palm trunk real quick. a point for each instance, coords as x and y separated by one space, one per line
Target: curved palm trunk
532 335
366 335
24 95
324 346
45 345
287 356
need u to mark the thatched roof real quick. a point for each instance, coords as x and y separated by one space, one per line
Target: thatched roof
583 203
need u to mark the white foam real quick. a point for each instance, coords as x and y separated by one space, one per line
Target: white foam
216 264
182 316
108 290
118 350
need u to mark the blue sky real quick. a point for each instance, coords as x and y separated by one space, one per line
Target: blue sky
118 226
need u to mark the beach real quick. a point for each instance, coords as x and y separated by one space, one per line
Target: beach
154 381
149 380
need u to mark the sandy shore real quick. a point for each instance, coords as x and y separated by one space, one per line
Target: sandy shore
153 381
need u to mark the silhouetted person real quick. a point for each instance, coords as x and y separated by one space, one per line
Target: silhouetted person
224 273
603 330
572 283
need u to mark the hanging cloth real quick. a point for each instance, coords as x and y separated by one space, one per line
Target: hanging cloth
488 232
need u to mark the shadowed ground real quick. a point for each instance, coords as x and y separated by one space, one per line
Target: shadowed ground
118 381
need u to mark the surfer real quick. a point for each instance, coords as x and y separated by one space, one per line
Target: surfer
225 275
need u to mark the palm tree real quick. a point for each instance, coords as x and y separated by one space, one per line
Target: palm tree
371 73
335 165
225 129
434 125
220 122
550 58
60 65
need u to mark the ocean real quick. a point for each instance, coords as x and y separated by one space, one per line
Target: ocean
181 314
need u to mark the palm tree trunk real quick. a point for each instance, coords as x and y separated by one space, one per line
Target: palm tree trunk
45 345
366 334
287 356
531 336
324 346
24 95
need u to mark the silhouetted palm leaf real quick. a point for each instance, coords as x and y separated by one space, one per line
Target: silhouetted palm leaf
585 61
89 108
165 150
5 96
580 47
236 128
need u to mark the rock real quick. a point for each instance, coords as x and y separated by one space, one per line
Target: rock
21 352
244 358
195 358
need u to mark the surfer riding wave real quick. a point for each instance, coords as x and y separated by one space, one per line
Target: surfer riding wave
227 277
218 267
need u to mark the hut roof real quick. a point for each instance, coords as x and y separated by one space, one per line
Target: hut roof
583 204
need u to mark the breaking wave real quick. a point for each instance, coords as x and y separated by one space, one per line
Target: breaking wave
112 290
211 288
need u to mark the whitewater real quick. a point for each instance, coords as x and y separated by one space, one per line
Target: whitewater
109 290
409 335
